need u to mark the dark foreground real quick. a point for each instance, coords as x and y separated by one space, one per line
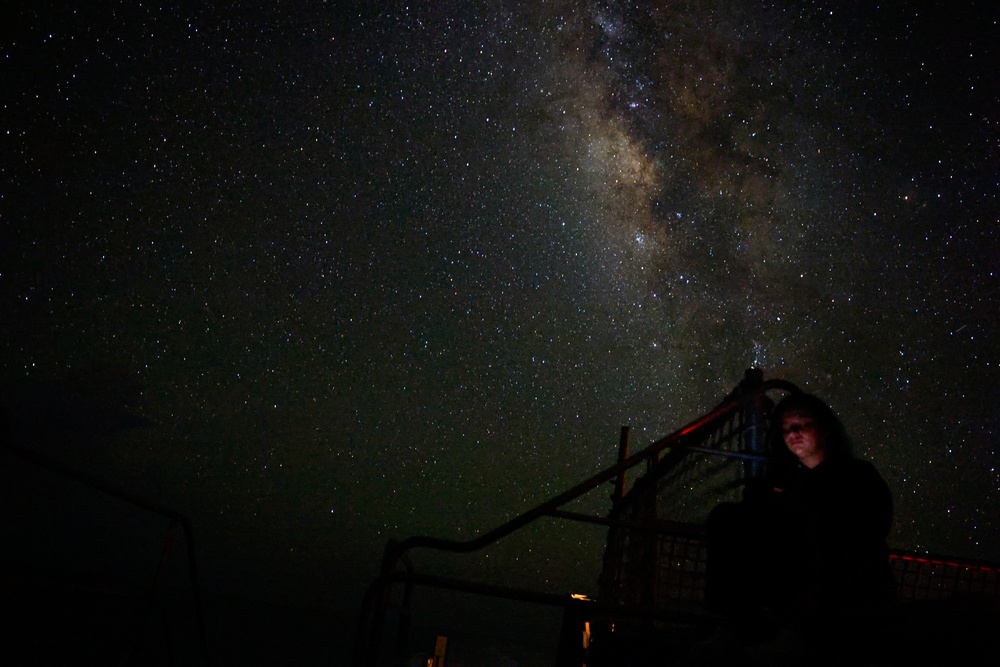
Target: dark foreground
61 626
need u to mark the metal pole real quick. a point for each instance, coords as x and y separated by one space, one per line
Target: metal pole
622 455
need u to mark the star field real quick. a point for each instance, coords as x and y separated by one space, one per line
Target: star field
326 275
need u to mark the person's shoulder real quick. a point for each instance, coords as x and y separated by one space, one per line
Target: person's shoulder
859 464
856 467
863 473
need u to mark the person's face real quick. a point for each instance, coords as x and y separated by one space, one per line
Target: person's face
803 439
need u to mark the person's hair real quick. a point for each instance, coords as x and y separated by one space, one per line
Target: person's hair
837 442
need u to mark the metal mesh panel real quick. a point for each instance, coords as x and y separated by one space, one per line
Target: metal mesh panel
681 574
923 578
681 564
700 481
656 558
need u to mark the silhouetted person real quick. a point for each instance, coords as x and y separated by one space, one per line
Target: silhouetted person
808 543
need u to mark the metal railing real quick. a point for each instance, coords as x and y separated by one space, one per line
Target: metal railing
700 436
653 569
923 577
176 519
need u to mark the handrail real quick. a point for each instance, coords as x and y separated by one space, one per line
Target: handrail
139 501
673 441
376 598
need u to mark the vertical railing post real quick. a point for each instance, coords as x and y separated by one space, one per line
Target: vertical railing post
753 420
403 628
609 581
622 455
152 601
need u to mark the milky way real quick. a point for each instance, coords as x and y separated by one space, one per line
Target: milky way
325 277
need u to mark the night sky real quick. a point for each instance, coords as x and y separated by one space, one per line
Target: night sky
322 274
